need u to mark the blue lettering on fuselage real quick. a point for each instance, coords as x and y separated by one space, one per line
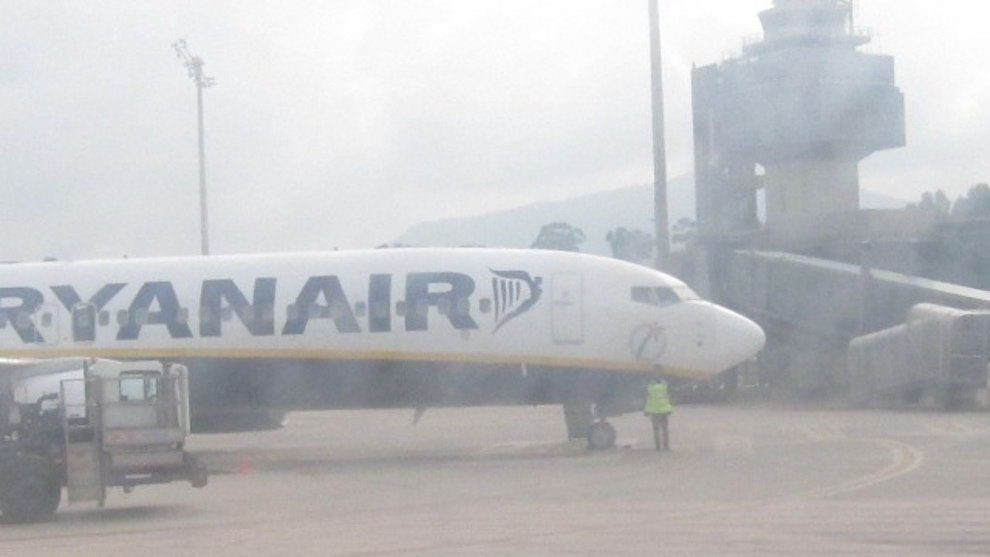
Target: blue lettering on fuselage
322 297
139 314
258 316
27 301
335 306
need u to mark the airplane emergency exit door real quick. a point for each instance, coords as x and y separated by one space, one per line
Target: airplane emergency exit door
568 316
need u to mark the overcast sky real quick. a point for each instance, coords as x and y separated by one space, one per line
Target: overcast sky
339 123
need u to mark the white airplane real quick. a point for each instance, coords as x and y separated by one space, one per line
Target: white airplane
410 327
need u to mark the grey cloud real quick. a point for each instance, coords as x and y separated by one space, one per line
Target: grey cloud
343 123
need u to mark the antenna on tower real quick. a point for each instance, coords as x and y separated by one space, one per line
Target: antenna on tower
194 64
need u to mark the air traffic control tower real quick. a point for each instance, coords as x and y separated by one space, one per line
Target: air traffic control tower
794 114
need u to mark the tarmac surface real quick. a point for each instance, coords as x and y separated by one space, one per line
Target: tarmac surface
741 480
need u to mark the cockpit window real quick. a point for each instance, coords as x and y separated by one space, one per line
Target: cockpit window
684 292
655 295
662 296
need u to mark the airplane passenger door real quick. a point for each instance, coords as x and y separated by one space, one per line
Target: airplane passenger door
568 317
83 322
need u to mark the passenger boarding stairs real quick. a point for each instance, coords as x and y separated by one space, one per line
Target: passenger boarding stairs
83 448
123 431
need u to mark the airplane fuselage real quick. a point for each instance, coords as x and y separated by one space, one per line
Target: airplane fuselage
455 307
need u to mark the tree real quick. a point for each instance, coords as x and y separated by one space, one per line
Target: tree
975 205
559 236
683 231
956 250
933 203
631 245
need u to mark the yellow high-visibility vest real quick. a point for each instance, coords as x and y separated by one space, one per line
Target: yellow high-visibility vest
657 399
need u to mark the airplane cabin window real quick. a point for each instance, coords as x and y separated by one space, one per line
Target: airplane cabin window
360 308
400 309
122 317
380 309
485 305
104 318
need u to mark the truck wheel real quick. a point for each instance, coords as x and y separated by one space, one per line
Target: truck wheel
196 471
30 492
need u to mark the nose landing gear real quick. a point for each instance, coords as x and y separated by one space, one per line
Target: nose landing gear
601 436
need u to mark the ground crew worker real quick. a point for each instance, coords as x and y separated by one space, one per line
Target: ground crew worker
658 407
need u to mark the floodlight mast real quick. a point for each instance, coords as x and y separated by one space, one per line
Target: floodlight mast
660 210
194 64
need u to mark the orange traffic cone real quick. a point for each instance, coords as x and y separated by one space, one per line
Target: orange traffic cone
244 465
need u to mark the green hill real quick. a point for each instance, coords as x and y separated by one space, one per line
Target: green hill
595 214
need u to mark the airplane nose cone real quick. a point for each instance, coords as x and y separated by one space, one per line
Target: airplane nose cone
738 337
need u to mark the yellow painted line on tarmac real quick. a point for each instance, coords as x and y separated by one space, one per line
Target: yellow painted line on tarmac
949 428
905 459
732 443
823 432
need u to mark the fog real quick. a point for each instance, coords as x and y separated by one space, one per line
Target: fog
341 124
492 401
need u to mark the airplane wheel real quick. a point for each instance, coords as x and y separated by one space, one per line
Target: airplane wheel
601 436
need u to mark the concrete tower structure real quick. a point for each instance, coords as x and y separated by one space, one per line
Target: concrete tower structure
795 113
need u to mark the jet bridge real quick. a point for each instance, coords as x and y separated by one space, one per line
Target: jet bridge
941 353
812 309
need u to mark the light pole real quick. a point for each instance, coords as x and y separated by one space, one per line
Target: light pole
195 66
659 143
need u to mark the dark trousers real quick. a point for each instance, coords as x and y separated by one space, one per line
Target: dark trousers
660 426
